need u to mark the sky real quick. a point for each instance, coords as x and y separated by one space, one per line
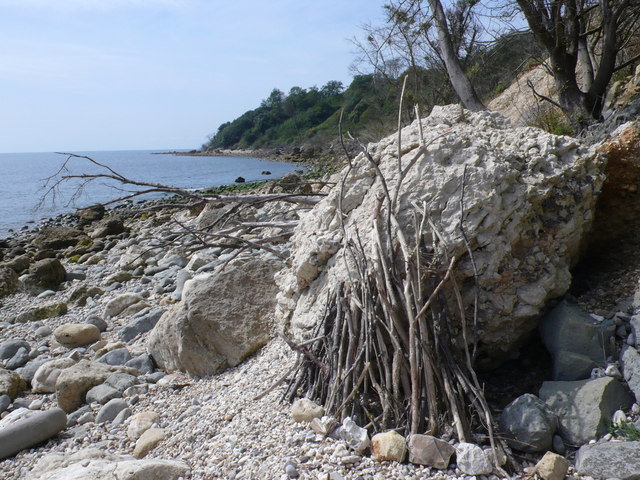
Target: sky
84 75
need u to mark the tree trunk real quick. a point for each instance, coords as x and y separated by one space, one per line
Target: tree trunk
458 78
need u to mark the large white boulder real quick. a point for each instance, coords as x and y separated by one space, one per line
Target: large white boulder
223 318
529 199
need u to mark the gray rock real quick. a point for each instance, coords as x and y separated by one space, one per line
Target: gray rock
429 451
122 417
528 424
181 278
630 361
609 460
97 322
118 356
46 274
31 430
143 363
102 394
9 348
5 401
585 407
123 303
472 460
19 359
72 418
576 341
121 381
356 437
141 325
43 331
110 410
29 370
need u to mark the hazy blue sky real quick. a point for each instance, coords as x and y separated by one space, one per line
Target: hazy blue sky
80 75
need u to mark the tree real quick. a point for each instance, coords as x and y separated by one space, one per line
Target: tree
587 32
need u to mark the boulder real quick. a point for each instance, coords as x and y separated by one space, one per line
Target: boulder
44 274
576 341
472 459
529 199
76 334
74 382
552 467
55 238
585 407
97 464
528 424
11 383
9 282
388 446
223 318
21 263
30 430
609 460
90 214
305 410
429 451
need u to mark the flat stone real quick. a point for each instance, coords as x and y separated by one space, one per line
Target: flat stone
430 451
141 422
619 460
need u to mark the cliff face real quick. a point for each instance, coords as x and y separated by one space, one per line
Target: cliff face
528 201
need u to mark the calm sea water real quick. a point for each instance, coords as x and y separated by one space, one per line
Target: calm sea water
23 177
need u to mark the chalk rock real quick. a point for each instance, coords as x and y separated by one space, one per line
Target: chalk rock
305 410
97 464
356 437
552 466
220 320
32 428
141 422
429 451
76 334
472 460
529 200
388 446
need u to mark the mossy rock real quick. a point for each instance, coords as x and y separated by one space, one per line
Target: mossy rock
43 312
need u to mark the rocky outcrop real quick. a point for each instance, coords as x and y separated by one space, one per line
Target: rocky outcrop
223 318
528 201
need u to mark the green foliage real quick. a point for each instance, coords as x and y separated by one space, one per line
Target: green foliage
552 120
233 188
626 430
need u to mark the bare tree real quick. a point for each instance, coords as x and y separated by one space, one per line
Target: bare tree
589 33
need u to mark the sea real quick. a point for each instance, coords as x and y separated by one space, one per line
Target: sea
29 190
